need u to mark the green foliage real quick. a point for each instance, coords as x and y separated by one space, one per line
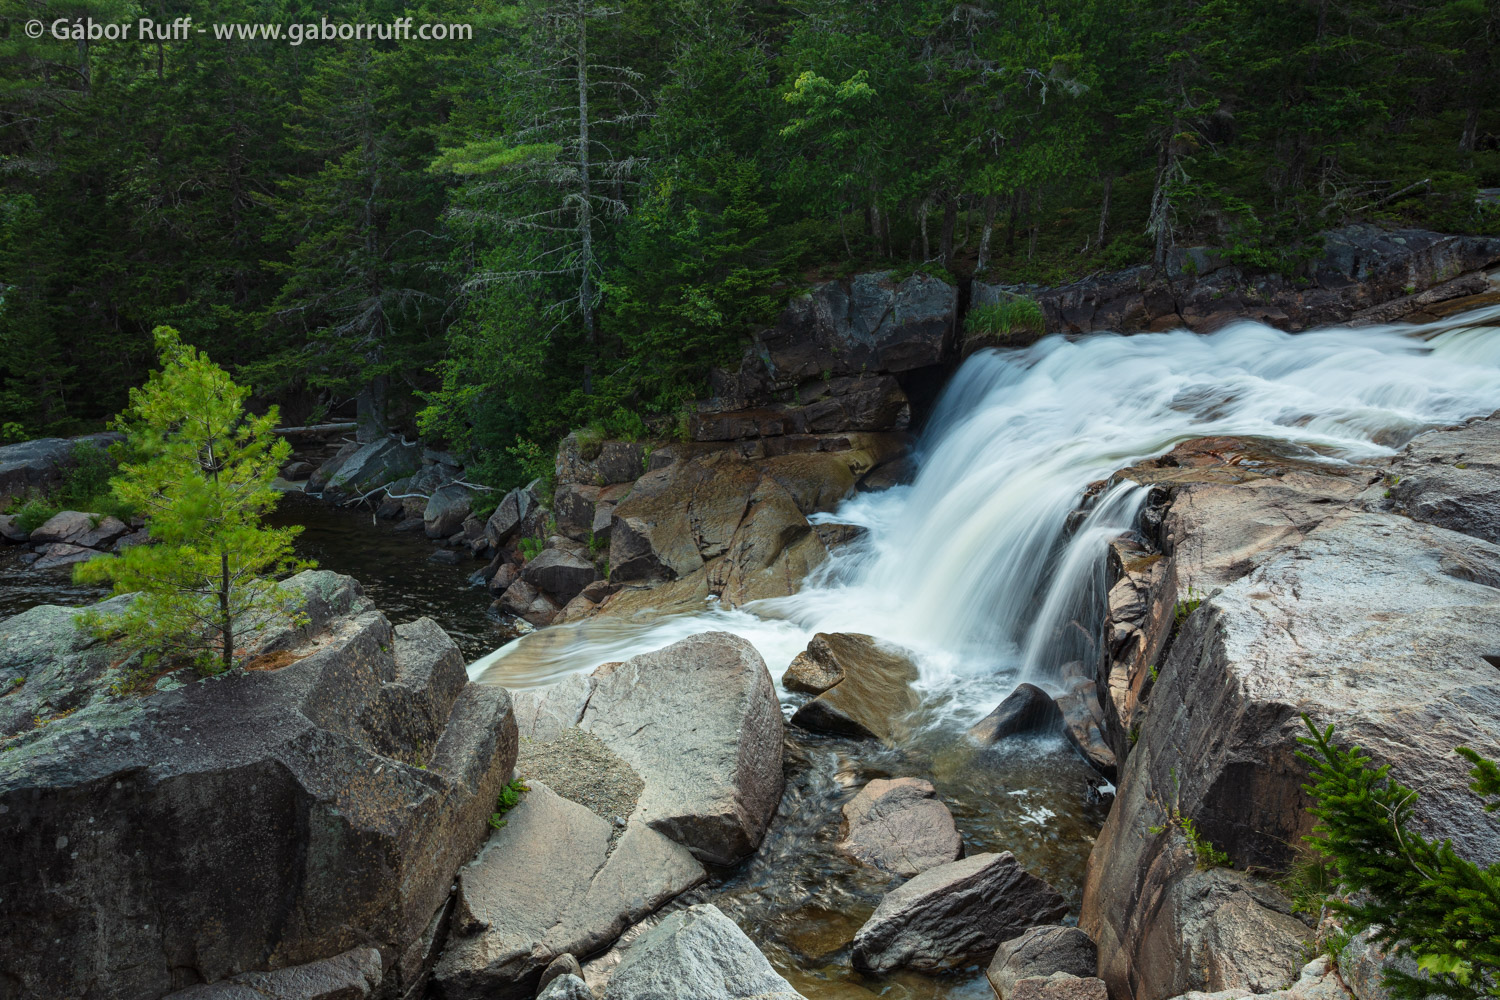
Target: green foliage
1185 607
34 512
202 475
85 486
1310 881
1205 854
509 798
1422 899
1014 318
426 227
531 547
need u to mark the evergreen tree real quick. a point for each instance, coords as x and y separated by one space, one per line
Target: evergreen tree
1421 898
201 474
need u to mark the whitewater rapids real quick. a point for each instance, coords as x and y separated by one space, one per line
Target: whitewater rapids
972 567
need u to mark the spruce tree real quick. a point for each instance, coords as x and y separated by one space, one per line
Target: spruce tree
1419 896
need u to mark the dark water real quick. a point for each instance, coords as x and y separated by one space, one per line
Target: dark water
393 567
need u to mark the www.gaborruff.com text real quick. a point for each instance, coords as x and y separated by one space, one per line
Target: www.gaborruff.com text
146 30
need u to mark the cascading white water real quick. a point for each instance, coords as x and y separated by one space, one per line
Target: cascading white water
973 568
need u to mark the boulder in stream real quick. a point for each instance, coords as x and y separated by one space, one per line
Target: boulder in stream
899 826
1027 709
875 695
552 881
637 772
815 669
446 510
954 914
696 954
700 722
1042 951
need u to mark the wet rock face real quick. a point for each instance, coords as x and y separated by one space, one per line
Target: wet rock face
314 808
899 826
1316 598
875 694
1451 478
954 914
741 525
1027 709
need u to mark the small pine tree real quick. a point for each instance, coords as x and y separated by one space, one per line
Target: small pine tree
204 590
1425 901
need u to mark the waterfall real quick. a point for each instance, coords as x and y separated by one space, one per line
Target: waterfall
975 566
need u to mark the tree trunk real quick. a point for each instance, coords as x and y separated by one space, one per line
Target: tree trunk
1109 187
1010 225
227 618
984 236
369 410
1035 220
1158 223
950 220
585 205
1470 137
922 222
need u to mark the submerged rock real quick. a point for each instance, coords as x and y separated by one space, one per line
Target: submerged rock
899 826
696 954
873 698
954 914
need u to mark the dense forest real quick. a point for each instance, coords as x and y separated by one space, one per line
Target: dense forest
568 216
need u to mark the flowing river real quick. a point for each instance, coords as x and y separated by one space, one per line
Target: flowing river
975 569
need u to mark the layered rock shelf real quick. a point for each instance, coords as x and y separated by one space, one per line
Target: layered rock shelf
1273 589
